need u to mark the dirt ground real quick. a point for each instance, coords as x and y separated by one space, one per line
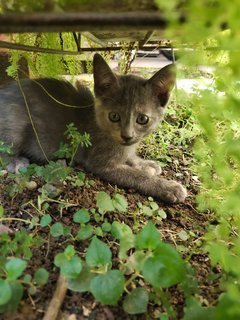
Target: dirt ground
180 217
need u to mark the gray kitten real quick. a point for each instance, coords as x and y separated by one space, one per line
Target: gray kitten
125 110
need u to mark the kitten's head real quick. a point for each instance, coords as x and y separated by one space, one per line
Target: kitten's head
128 107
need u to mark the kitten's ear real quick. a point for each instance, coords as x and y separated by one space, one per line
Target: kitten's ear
163 82
104 78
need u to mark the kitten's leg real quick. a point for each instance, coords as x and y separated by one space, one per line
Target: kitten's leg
16 163
130 177
149 166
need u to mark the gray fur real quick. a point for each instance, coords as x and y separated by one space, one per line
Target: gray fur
112 155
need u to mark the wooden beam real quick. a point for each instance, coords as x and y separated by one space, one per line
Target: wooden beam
80 21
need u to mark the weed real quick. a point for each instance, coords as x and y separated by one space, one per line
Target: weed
75 140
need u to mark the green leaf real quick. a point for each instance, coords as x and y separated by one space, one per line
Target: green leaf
136 302
108 288
85 232
99 232
121 230
106 226
45 220
5 292
71 268
27 278
57 229
41 276
124 233
81 216
165 268
120 203
66 231
194 311
69 252
98 254
147 211
104 202
125 245
82 282
162 214
15 268
136 261
59 259
16 296
148 238
1 211
54 171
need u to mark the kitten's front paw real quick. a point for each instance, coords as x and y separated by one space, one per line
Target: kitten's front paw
173 192
16 164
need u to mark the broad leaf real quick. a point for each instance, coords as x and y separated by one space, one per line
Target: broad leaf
104 202
71 268
57 229
82 282
81 216
98 254
45 220
148 238
16 296
15 268
165 268
108 288
136 301
41 276
120 203
85 232
5 292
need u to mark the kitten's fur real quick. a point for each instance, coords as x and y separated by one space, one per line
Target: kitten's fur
112 156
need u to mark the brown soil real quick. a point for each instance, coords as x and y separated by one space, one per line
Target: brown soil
179 217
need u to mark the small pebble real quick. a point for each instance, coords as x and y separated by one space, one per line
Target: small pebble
31 185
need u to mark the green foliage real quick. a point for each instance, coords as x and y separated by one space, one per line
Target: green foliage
108 288
98 254
41 276
81 216
11 282
53 171
69 263
105 203
76 140
136 301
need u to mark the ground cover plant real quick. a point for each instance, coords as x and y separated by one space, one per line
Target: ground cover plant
121 255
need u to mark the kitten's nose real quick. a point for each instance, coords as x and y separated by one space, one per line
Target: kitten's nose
126 139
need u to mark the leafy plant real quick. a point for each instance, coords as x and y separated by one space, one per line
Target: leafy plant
11 284
76 140
156 262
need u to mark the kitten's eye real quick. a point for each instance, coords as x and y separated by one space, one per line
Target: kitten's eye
142 119
114 117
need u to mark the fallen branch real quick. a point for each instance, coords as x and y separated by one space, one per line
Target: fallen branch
57 299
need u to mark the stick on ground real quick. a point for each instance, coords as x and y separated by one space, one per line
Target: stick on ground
57 299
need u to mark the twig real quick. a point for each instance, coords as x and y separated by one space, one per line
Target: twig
57 299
